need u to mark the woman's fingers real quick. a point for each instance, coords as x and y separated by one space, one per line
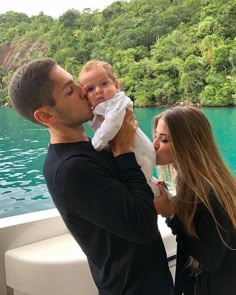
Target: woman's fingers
162 203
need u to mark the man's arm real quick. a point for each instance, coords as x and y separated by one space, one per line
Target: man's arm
113 196
122 206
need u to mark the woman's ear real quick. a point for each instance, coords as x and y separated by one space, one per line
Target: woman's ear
43 116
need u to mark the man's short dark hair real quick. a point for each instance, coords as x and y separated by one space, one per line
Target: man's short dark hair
31 88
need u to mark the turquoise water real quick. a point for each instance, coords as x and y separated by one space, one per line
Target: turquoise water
23 146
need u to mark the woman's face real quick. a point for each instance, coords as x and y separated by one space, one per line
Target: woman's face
162 144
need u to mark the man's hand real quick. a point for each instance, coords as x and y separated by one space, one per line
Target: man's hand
123 141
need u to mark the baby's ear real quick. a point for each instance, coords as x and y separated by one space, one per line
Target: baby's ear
117 85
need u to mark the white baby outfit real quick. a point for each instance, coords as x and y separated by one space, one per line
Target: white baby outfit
113 111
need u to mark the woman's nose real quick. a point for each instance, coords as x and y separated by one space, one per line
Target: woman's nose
156 143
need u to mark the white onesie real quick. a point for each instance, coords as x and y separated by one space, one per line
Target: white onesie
113 111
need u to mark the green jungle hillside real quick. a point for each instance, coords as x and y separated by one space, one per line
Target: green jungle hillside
164 52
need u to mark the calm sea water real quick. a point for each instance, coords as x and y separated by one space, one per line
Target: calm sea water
23 146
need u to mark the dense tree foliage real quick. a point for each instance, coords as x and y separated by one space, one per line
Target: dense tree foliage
164 52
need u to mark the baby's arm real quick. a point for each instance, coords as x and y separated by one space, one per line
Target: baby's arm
113 119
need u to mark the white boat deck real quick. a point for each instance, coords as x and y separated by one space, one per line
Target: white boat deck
55 265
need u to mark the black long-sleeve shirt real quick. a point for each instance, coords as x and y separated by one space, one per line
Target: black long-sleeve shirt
216 259
108 207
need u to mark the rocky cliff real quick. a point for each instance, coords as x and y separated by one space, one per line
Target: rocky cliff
14 55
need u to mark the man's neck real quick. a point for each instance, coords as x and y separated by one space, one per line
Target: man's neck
68 135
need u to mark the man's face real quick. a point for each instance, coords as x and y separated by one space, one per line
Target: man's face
71 107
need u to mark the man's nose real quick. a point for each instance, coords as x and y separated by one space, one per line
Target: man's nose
81 92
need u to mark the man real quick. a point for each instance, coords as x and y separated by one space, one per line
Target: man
103 197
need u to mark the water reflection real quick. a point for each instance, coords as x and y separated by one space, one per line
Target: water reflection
22 150
23 146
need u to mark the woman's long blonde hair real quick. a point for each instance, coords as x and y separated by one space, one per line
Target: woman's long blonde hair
199 166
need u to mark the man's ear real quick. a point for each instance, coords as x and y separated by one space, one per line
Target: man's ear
44 116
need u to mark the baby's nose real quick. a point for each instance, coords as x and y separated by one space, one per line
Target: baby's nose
98 89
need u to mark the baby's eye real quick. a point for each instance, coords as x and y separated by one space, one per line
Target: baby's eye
104 83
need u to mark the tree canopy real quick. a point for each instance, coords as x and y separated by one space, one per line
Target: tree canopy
164 52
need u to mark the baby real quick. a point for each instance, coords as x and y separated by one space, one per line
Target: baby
109 107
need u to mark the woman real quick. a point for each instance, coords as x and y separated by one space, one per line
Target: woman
203 213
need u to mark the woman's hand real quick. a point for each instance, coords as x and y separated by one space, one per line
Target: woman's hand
163 204
123 141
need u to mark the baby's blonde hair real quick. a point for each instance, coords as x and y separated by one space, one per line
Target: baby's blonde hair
98 63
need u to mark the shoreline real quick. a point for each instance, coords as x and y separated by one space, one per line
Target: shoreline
6 105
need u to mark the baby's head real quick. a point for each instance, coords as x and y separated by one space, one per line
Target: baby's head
98 80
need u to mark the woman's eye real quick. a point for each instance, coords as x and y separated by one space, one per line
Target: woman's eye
164 140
